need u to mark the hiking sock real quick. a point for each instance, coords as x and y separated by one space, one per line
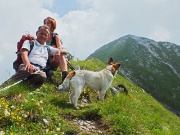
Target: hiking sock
49 75
64 74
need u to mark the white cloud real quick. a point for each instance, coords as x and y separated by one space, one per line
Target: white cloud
94 24
78 33
17 18
99 22
160 34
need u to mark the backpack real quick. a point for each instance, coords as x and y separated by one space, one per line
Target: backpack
18 60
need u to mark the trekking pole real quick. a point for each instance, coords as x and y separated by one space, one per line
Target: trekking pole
7 87
70 66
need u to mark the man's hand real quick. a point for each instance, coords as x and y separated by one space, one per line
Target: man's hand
30 68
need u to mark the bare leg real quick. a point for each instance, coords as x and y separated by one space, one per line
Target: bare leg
63 63
63 66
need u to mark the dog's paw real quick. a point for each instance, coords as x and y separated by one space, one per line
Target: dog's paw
69 103
77 108
114 91
60 87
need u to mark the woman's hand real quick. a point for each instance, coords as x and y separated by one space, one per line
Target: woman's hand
64 52
56 56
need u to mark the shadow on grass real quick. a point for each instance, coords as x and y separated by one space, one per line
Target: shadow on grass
64 104
61 104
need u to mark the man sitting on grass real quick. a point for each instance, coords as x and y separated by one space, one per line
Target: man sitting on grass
32 68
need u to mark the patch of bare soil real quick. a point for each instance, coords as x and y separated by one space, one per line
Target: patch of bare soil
92 123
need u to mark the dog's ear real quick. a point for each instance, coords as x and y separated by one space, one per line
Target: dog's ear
116 65
110 62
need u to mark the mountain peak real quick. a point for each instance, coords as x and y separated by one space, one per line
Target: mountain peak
139 40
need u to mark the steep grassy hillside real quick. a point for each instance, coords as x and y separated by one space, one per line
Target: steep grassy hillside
26 110
154 66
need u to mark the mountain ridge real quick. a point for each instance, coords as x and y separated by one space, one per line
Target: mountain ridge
152 65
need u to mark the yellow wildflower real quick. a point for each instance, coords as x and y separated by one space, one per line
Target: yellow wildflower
6 106
6 113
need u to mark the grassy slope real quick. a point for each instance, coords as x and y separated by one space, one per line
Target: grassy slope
148 71
138 113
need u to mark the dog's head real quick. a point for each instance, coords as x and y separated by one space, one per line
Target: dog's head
113 67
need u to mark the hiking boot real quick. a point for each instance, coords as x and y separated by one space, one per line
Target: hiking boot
49 73
64 74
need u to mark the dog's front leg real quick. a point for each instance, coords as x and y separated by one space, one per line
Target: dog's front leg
75 96
72 98
102 93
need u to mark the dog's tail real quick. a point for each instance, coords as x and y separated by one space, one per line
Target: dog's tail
122 86
65 86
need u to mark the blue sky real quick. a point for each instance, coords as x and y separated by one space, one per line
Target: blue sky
62 7
86 25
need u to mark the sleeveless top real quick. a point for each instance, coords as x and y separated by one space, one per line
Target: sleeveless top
53 42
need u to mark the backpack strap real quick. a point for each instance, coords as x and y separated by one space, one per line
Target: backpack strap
31 46
48 49
53 42
47 64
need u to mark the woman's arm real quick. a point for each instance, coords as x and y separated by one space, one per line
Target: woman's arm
58 42
59 45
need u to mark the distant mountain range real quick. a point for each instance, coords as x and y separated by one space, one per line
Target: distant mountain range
154 66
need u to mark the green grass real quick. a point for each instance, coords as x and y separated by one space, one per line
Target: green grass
23 108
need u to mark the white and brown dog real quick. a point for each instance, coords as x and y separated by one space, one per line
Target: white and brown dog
80 79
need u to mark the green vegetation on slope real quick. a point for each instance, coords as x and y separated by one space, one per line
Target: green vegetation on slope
149 64
23 108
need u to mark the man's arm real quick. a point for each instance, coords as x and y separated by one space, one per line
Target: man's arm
28 67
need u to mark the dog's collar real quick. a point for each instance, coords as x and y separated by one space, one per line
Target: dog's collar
109 70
